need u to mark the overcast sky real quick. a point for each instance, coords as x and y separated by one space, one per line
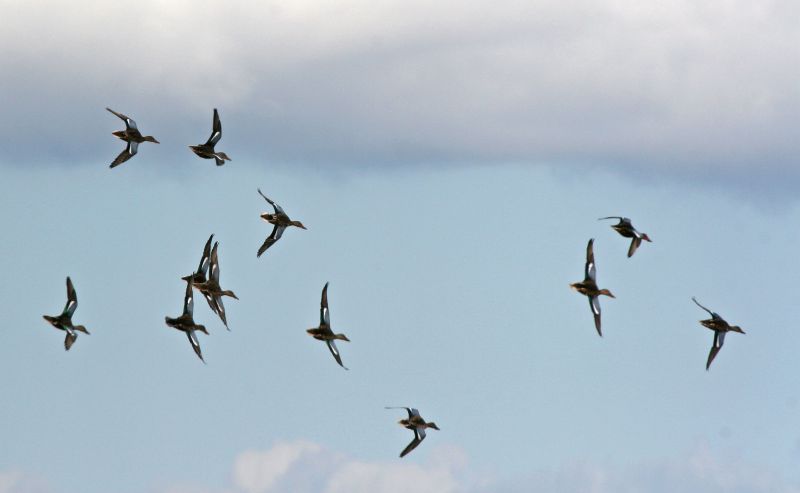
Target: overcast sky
450 161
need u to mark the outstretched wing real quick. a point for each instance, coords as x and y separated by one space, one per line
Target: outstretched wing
130 150
594 303
204 260
419 435
590 271
216 130
195 344
188 300
324 313
72 300
214 263
635 242
69 340
221 310
713 315
129 123
335 352
273 204
719 340
411 412
276 234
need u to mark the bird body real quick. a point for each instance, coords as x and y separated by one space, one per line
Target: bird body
589 287
206 151
415 423
132 136
720 328
625 228
324 331
212 289
64 320
280 220
185 322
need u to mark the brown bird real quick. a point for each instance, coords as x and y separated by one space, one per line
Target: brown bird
211 287
281 221
415 423
324 332
185 322
64 321
206 151
625 228
720 328
130 135
589 287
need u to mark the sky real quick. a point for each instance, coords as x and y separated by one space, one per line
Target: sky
450 163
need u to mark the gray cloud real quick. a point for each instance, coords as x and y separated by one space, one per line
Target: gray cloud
676 86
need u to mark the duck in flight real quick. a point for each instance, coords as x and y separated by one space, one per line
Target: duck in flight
415 423
589 287
130 135
206 151
625 228
185 322
720 328
199 276
64 321
211 288
324 332
281 221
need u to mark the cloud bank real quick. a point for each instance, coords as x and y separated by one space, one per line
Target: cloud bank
302 466
680 85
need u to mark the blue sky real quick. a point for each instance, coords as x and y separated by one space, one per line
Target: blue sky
449 237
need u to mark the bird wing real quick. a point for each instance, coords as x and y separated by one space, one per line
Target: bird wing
324 313
221 310
130 150
419 435
129 123
72 299
195 344
188 300
713 315
590 271
273 204
408 410
719 340
335 352
204 260
273 237
635 242
594 304
216 131
69 340
214 263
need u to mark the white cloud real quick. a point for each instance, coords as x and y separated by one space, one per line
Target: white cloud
645 84
301 466
257 472
18 482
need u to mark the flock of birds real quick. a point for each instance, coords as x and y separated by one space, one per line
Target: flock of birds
206 278
589 287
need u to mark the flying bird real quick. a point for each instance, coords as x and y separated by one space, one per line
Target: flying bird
64 321
199 276
211 288
130 135
589 287
281 221
185 322
720 328
625 228
416 424
206 151
324 332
